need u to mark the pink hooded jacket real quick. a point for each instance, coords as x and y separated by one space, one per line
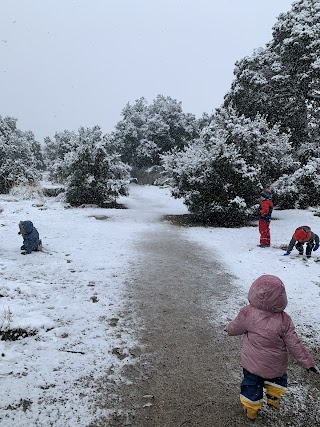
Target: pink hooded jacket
268 331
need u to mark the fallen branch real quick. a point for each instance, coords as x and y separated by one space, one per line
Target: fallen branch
71 351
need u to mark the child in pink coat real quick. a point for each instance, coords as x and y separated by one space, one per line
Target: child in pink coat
268 335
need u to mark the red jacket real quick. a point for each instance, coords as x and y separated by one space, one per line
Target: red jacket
266 207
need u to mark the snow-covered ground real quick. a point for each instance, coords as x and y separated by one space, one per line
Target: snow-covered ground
237 249
71 295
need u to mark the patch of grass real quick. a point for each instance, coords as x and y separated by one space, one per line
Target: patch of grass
185 220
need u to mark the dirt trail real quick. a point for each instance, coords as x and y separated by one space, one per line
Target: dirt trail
188 371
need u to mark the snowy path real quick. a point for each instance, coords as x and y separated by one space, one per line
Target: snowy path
127 305
187 371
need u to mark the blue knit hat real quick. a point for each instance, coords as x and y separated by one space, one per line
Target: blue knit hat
266 193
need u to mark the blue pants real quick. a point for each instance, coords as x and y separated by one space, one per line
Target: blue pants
252 388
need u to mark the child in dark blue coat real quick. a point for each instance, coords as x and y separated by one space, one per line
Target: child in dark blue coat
31 241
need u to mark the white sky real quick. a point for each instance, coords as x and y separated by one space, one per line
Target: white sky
66 64
51 292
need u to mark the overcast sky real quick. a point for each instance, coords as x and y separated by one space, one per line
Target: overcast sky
71 63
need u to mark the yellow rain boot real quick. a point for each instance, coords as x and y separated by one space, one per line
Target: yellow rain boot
273 402
273 393
251 413
251 408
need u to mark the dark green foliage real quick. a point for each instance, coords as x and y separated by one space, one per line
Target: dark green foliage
15 334
216 184
20 155
56 150
148 131
220 176
95 173
282 83
301 189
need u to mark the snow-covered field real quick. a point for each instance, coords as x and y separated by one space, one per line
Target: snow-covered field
237 249
71 296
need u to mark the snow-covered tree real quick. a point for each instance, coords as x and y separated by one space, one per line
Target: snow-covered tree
301 189
36 150
147 131
168 126
281 81
96 175
264 86
259 143
215 182
18 157
130 131
296 39
220 176
55 151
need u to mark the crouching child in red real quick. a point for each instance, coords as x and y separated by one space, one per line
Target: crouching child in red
301 236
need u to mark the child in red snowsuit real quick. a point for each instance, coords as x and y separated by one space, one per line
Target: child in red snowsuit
266 207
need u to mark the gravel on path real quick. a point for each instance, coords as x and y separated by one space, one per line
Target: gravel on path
187 370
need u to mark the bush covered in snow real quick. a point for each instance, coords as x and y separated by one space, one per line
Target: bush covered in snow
221 175
89 165
301 189
20 156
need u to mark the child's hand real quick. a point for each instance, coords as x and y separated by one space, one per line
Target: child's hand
316 247
314 369
286 253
